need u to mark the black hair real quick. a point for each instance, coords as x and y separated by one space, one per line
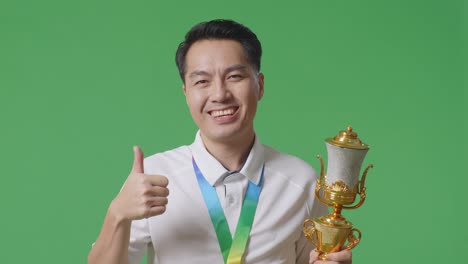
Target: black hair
220 29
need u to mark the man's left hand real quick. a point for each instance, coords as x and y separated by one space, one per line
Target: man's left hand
340 257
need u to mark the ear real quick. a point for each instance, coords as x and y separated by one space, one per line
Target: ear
261 82
184 89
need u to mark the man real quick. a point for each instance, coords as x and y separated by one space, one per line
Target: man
232 199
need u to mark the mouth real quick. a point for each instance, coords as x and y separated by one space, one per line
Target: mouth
223 112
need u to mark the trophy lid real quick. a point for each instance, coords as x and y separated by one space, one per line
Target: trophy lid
347 139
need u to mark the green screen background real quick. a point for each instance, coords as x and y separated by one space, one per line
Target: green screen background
83 81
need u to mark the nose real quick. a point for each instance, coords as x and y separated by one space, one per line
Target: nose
221 93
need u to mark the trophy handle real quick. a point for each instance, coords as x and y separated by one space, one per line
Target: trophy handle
320 181
352 240
310 232
362 189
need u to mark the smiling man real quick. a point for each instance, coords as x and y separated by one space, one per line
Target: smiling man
232 199
222 89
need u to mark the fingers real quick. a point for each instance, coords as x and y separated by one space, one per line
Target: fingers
156 201
157 180
155 206
155 210
344 256
157 191
137 160
313 256
340 257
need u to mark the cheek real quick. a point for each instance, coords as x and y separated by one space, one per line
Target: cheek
195 101
251 96
250 101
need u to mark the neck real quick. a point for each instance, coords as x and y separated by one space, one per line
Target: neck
231 155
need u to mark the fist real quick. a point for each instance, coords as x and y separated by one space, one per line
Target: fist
142 195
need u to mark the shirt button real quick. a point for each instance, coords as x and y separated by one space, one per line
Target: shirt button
231 199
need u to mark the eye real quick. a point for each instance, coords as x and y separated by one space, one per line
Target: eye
235 77
201 82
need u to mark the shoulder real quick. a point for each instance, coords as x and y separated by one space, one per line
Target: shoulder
169 160
291 168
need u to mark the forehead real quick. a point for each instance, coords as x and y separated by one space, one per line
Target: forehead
214 55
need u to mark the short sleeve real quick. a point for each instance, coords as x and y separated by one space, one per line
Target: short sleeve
140 240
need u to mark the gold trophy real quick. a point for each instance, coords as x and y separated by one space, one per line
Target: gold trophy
341 184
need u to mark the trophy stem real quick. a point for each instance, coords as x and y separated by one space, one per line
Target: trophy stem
337 211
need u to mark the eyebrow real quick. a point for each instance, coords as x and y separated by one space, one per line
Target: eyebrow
198 73
236 67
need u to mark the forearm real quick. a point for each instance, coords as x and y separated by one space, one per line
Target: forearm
111 246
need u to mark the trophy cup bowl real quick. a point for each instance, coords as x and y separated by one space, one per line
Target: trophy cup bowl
340 186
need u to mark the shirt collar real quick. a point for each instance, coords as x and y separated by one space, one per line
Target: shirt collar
213 170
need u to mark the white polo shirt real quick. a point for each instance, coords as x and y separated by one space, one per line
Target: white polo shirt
185 234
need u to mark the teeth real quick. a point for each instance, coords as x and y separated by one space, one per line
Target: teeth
217 113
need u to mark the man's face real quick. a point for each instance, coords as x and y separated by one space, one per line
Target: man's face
222 90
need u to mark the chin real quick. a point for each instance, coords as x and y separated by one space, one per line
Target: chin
225 135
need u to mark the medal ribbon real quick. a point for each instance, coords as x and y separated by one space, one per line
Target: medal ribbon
232 250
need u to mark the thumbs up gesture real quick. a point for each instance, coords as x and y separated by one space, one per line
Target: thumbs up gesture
142 195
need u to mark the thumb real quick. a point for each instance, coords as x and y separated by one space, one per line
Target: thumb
313 256
137 160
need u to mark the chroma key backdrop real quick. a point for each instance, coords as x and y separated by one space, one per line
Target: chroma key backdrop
81 82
